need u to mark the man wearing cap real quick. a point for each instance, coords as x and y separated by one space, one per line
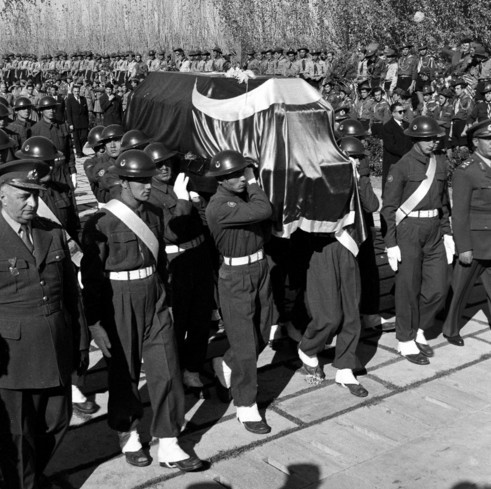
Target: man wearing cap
315 69
20 128
128 316
375 65
237 216
363 108
152 63
462 57
419 244
77 113
43 329
407 71
462 108
281 62
428 105
217 59
482 110
471 212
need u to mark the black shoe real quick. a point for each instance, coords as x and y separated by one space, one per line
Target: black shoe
138 459
356 389
388 327
256 427
426 350
87 407
223 393
417 358
456 340
315 375
188 465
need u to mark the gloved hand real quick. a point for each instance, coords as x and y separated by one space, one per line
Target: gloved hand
194 196
449 244
394 256
466 257
101 339
180 186
74 180
355 163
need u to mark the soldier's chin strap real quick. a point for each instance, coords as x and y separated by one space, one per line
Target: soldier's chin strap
418 195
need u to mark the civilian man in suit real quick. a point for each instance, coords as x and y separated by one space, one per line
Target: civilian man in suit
77 114
112 107
43 335
396 143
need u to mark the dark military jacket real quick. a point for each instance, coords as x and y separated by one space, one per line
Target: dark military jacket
42 326
403 180
471 214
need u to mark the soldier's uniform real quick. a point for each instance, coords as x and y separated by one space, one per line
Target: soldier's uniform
462 107
471 216
363 109
482 110
421 278
407 71
238 226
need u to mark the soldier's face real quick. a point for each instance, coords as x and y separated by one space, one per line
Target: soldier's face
465 47
364 93
164 172
139 187
487 96
113 148
3 87
291 57
426 97
427 146
235 182
442 99
378 96
48 114
405 51
458 90
23 114
483 146
19 204
302 53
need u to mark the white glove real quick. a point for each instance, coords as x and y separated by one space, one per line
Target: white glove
74 180
355 164
449 244
394 256
194 196
180 186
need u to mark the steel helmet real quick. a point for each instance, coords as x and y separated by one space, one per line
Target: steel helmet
135 163
46 103
159 152
39 148
352 146
95 136
423 127
113 131
226 162
352 127
5 141
133 139
23 103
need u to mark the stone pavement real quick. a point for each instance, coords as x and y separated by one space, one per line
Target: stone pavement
421 426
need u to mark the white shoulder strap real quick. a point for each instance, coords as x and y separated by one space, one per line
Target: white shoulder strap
130 219
418 195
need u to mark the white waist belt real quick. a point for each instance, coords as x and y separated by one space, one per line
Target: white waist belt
244 260
133 274
430 213
170 249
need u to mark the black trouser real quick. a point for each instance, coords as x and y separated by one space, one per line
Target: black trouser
32 425
246 300
333 296
79 139
404 82
463 279
458 126
191 278
140 324
421 279
370 283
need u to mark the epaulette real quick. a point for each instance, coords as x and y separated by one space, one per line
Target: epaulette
466 163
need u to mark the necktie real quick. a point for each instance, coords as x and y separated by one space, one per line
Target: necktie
24 234
303 65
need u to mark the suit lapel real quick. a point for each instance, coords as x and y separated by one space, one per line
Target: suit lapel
12 244
42 242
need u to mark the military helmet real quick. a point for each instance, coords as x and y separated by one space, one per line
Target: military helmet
5 141
39 148
480 129
113 131
341 113
423 127
135 163
94 138
352 127
46 103
159 152
352 146
4 111
226 162
428 90
133 139
487 88
23 103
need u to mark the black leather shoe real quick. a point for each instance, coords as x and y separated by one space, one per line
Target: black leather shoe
138 459
256 427
315 375
455 340
223 393
356 389
417 358
426 350
87 407
388 327
188 465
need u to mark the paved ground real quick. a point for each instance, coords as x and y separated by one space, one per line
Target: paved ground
420 427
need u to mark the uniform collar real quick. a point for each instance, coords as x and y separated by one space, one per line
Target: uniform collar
16 226
420 157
